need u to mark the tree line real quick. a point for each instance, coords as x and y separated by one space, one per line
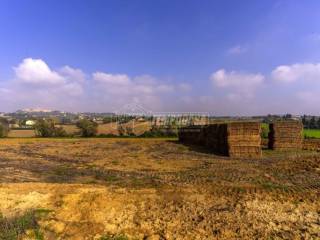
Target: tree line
311 122
89 128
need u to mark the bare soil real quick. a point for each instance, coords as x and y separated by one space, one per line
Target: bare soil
159 189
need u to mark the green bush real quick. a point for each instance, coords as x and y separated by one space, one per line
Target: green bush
4 127
109 119
47 128
15 228
2 131
87 128
161 132
264 130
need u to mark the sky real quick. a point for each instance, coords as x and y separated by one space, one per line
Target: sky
221 57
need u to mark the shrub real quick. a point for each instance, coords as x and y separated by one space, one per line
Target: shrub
129 131
87 128
109 119
2 131
46 128
3 127
60 132
161 132
15 228
264 130
121 130
125 131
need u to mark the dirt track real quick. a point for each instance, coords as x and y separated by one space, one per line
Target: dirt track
159 189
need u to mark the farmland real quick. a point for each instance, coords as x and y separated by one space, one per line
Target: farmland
157 189
312 133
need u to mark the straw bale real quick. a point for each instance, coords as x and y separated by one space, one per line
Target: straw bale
239 139
286 135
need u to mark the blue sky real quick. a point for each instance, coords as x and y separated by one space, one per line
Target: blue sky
223 57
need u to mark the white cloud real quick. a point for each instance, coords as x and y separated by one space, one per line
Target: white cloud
35 83
297 72
237 50
121 89
141 89
114 79
238 86
73 74
145 79
165 88
122 83
221 78
37 72
73 89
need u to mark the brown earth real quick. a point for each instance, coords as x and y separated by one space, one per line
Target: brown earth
23 133
159 189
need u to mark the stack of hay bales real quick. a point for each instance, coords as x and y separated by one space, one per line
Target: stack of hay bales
192 135
216 138
238 139
286 135
244 139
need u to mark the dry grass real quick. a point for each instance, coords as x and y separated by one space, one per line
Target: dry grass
159 189
22 133
112 128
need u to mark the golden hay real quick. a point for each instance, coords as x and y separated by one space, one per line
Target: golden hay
286 135
231 139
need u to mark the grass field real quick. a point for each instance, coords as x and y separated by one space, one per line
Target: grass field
312 133
155 189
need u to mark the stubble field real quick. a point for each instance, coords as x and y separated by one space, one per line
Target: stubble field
155 189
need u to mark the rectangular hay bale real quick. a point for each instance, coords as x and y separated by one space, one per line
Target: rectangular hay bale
286 135
238 139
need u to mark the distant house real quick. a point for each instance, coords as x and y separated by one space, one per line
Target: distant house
30 123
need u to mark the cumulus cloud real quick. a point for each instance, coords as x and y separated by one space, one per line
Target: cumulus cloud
73 74
237 83
122 83
36 84
297 72
37 72
113 79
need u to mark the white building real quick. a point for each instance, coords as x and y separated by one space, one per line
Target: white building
30 123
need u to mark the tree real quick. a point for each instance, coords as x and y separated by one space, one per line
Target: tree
304 121
313 123
318 123
87 127
47 128
2 131
4 128
109 119
121 129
